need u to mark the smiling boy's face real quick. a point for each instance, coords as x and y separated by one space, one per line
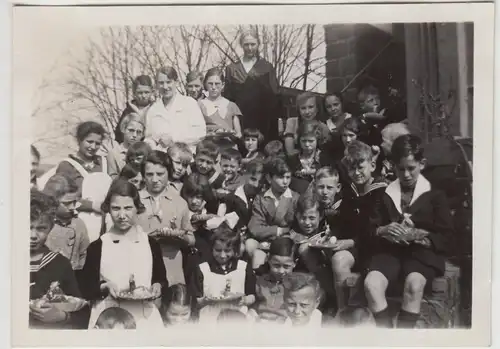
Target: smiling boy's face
301 304
308 220
204 164
280 266
361 171
230 167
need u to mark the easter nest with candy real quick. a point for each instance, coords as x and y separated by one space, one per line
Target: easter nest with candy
140 293
226 298
56 297
323 241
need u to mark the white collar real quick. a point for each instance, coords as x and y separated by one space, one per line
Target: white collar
240 192
287 194
394 191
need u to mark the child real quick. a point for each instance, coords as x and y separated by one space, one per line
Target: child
309 159
205 161
177 306
115 318
253 140
194 85
326 187
132 127
223 272
180 157
307 106
272 212
411 227
137 153
35 163
220 113
142 89
47 267
132 174
389 134
302 296
274 149
334 106
351 317
269 305
230 164
69 235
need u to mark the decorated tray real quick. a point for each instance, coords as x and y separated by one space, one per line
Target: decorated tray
322 241
69 304
231 297
140 293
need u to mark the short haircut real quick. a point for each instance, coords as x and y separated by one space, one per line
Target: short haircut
276 166
283 246
405 146
306 202
122 187
156 157
227 236
366 91
254 133
355 125
196 184
274 148
113 316
255 166
178 294
358 152
59 185
35 152
137 149
213 72
310 129
143 80
208 148
231 154
88 127
393 131
131 117
181 149
42 206
326 172
297 281
129 171
194 75
170 72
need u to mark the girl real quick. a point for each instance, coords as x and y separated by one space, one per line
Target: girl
137 153
269 304
253 141
115 318
334 107
307 106
224 274
194 85
132 127
302 296
220 113
133 175
180 157
123 252
89 171
35 163
309 159
177 306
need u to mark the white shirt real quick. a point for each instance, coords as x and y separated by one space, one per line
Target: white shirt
182 120
286 194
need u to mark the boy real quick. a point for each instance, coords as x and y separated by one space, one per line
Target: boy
352 220
180 157
69 235
47 267
205 161
409 236
272 212
230 164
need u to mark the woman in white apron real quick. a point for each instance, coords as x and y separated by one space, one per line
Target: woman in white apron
89 171
124 251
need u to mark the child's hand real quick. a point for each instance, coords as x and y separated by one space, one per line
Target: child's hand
156 290
394 232
343 244
247 300
48 313
423 242
165 140
111 287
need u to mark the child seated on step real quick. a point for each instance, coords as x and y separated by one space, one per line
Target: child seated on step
410 228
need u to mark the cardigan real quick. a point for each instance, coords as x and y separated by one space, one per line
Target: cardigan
91 275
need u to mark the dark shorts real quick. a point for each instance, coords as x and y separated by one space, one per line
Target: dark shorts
396 268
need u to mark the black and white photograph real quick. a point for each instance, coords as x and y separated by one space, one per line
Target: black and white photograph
269 175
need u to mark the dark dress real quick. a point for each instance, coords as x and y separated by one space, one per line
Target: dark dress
257 96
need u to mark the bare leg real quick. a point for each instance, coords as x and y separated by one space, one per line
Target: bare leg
342 263
412 300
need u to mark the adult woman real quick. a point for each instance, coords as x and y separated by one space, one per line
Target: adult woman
173 117
89 171
123 251
251 83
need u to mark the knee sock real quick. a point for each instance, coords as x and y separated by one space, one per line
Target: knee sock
383 318
407 319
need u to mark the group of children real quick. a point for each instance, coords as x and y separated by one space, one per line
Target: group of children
253 212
